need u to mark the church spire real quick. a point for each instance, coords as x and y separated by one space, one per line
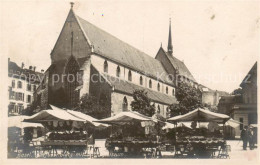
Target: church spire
170 40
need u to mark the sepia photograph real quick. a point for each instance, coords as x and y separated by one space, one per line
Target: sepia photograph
157 80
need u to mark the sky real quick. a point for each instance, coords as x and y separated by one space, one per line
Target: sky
217 40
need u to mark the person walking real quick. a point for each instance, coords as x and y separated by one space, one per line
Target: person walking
250 138
244 137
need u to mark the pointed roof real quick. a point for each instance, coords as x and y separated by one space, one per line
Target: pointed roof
252 72
179 65
110 47
170 40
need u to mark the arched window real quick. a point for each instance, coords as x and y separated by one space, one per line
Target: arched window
71 70
118 71
166 90
129 76
105 67
141 80
125 104
173 92
150 83
20 85
158 87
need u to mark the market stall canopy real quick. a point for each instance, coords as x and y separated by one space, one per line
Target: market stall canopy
233 123
17 121
253 126
52 115
125 117
201 115
82 116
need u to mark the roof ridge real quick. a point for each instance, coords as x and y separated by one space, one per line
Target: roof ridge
119 40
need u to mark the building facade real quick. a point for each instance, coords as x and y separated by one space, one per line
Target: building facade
246 110
22 83
109 69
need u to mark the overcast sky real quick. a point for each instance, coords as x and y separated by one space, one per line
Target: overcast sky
217 40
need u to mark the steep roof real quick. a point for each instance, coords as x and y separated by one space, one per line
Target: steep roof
177 64
114 49
129 88
252 72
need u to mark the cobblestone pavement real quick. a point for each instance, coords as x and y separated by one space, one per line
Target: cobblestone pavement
237 153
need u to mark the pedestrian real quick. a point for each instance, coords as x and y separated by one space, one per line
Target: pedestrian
244 137
250 138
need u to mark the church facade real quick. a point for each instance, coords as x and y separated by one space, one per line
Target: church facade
109 69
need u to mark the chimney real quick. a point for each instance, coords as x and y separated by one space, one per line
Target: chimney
42 71
8 60
34 68
30 67
22 65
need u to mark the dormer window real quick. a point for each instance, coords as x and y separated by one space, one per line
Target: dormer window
118 71
105 67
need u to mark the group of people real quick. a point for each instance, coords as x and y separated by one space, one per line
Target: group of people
248 136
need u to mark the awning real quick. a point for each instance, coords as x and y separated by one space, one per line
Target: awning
125 117
17 121
52 115
201 115
82 116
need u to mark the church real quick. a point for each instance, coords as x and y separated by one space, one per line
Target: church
109 69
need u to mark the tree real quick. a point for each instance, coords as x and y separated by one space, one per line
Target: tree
142 103
189 98
90 105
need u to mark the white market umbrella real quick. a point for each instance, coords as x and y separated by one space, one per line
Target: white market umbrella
17 121
125 117
201 115
86 118
52 115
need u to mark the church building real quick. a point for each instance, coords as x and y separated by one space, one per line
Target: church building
109 69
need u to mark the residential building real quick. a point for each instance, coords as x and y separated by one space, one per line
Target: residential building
22 83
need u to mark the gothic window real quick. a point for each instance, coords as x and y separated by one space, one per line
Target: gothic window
129 76
141 80
150 83
125 104
105 67
118 71
158 87
72 68
20 85
173 92
166 90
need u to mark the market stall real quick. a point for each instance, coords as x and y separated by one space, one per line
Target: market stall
68 134
19 133
132 135
200 142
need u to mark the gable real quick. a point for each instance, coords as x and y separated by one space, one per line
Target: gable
64 46
175 63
